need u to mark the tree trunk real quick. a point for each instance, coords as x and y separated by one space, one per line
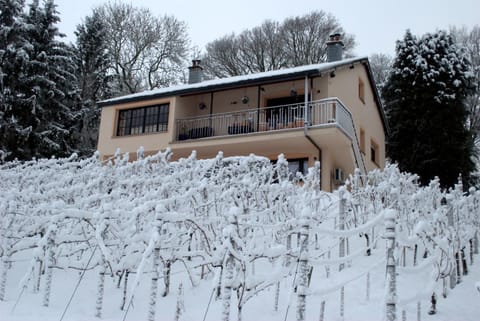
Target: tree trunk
419 311
415 250
124 296
475 243
166 277
470 242
322 311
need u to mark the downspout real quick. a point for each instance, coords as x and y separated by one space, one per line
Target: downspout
211 110
307 124
211 103
258 107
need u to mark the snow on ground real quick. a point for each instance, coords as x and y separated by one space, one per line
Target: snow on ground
39 230
461 303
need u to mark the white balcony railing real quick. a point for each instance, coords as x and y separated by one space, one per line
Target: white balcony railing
318 113
261 120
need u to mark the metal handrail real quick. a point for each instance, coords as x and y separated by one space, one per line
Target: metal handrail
320 112
257 120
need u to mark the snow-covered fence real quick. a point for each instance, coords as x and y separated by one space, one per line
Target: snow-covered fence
226 218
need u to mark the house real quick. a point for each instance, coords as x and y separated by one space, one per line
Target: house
329 112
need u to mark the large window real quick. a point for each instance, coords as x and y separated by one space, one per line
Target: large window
135 121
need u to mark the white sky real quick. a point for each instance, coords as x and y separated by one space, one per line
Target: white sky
377 24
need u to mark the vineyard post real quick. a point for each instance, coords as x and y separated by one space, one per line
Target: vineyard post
100 290
341 226
3 276
5 263
475 243
50 262
154 285
391 290
453 272
303 266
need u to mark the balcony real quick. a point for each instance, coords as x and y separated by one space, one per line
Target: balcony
325 112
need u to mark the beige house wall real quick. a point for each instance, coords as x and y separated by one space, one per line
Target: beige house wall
334 147
108 142
365 114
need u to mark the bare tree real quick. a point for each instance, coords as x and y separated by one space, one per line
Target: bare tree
261 48
470 41
304 37
148 51
381 65
221 59
294 42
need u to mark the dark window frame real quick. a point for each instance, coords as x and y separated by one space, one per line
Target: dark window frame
374 152
303 167
143 120
361 90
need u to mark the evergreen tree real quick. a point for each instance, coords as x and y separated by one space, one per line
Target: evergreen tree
425 104
52 81
14 57
92 61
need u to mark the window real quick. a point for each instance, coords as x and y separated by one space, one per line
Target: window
297 165
294 166
362 140
361 90
374 152
151 119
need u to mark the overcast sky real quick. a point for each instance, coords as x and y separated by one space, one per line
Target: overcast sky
376 24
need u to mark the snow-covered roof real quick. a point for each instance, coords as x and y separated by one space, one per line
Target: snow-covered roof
236 81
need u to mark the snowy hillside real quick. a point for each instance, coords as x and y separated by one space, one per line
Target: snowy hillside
230 239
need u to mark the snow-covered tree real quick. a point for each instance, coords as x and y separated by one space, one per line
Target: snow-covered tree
93 61
425 104
14 48
470 41
39 86
381 65
51 81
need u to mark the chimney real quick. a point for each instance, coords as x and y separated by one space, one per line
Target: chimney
195 72
334 48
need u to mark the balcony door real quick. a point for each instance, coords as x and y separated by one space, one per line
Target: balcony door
284 111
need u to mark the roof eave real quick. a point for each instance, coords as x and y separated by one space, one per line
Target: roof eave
230 85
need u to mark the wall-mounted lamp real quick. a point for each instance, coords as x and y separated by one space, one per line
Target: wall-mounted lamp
332 74
245 99
202 106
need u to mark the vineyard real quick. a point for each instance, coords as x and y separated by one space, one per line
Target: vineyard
235 238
